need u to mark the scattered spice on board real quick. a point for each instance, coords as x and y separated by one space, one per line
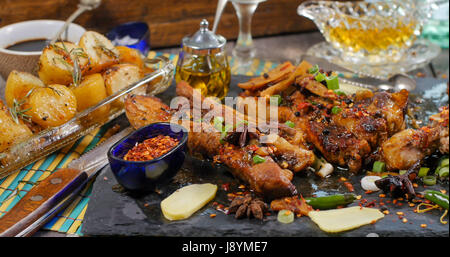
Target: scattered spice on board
151 148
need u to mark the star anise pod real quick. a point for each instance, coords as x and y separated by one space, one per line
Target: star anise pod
248 206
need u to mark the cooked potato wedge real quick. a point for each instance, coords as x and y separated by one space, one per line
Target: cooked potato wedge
89 93
187 200
100 50
11 132
51 106
19 84
56 63
130 55
119 76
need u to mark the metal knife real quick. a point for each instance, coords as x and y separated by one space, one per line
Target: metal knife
56 191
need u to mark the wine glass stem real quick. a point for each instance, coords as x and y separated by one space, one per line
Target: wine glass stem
244 46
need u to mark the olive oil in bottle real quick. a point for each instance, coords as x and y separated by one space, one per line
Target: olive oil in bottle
203 63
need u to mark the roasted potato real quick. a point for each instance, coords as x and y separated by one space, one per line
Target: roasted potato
19 84
51 106
130 55
10 130
119 76
90 92
100 50
56 63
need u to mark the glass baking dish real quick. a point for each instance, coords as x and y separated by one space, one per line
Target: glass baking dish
50 140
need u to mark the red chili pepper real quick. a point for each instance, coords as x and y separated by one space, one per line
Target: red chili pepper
303 105
349 186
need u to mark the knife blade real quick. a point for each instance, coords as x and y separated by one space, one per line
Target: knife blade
56 191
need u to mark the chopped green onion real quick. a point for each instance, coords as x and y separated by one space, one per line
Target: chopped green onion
423 171
444 163
320 77
340 93
332 82
401 172
285 216
313 69
429 180
379 167
258 159
218 123
443 172
336 110
290 124
275 100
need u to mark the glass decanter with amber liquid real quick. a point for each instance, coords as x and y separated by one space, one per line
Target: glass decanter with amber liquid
203 63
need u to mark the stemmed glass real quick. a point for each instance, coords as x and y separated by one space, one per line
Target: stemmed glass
244 50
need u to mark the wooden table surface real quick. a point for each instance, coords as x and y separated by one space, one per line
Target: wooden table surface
292 47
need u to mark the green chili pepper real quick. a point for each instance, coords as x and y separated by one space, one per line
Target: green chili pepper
437 197
330 202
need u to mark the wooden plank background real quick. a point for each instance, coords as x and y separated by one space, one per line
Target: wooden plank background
169 20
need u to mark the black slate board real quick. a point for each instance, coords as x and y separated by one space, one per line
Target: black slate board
112 211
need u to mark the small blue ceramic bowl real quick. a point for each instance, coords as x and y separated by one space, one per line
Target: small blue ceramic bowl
132 34
146 175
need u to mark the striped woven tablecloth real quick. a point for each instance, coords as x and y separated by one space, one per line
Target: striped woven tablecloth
70 220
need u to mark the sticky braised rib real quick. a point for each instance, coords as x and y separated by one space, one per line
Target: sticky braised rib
267 179
345 129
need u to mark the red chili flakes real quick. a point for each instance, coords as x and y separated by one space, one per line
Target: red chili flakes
225 187
342 179
423 225
349 186
151 148
369 192
382 195
373 222
212 216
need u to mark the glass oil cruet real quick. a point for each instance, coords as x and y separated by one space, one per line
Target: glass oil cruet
203 63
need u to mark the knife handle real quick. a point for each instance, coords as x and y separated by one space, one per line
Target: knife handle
40 200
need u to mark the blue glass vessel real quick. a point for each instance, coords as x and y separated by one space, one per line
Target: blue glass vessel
146 175
132 34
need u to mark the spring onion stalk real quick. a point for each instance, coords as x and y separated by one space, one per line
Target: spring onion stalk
401 172
379 167
285 216
336 110
275 100
313 69
332 82
320 77
258 159
429 180
423 171
443 172
290 124
444 163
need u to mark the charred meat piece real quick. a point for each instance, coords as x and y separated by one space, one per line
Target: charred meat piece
389 106
408 146
337 144
144 110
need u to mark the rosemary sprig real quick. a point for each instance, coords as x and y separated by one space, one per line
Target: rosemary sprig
74 55
17 112
100 46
